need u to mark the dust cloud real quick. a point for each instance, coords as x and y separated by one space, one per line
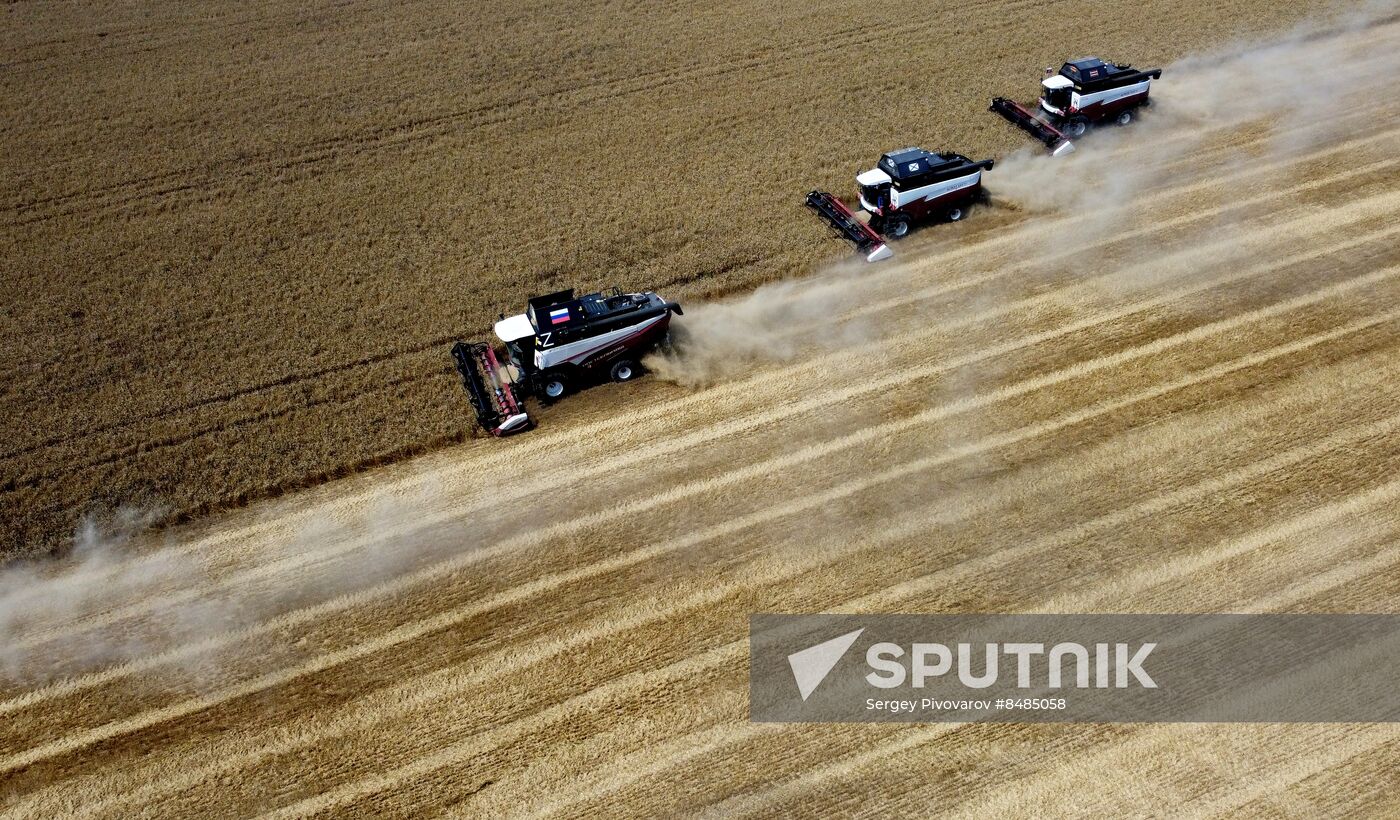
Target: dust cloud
105 605
1302 89
776 323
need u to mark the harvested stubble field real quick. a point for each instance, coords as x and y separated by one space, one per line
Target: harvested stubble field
238 238
1161 378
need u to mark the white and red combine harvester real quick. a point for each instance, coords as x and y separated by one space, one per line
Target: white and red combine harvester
559 344
1085 92
905 187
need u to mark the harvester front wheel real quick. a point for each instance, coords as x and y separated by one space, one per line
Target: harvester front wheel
553 388
624 370
897 226
1076 128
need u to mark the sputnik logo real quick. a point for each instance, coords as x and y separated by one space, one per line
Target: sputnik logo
810 666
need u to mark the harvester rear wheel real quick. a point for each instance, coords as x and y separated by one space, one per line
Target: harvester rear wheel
1125 118
624 370
956 213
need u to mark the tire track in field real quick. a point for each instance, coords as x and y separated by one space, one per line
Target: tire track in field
951 576
137 36
1084 601
155 444
956 576
349 792
417 129
71 743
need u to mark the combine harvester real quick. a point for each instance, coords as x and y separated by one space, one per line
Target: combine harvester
559 344
1085 92
906 187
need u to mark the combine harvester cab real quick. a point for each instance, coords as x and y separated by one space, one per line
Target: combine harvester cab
906 187
1083 93
559 344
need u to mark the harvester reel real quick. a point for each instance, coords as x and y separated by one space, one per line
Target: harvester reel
838 216
493 396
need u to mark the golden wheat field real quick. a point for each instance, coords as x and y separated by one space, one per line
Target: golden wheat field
1156 376
238 239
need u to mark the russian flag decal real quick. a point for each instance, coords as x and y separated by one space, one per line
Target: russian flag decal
558 315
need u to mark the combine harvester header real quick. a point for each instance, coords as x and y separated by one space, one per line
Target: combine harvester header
499 409
1054 139
835 212
1084 93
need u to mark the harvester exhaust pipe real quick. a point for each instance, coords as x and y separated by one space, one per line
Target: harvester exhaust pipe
498 408
1027 121
838 216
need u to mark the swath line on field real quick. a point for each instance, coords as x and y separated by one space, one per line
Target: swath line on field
868 386
351 791
410 696
885 600
1138 743
1317 518
1047 780
426 626
358 789
1354 743
881 601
